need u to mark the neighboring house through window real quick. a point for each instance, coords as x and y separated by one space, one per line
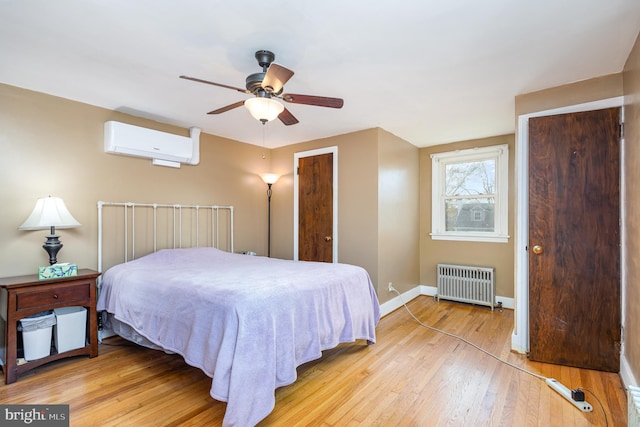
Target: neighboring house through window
469 194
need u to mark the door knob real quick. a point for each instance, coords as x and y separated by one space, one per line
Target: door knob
328 238
537 249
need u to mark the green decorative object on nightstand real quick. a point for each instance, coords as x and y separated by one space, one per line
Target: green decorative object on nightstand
57 270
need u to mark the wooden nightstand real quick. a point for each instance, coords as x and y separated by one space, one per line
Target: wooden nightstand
23 296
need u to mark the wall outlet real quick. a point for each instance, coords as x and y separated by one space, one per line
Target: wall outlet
391 288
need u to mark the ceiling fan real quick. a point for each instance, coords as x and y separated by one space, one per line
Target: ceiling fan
266 86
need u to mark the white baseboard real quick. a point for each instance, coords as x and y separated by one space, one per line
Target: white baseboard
626 374
395 303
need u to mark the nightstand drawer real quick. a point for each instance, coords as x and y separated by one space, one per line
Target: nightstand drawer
57 295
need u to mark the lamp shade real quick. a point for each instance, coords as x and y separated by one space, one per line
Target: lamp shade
269 178
49 212
264 109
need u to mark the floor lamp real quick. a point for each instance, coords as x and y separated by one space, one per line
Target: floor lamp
269 179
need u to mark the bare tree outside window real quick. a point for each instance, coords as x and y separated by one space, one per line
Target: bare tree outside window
470 189
470 194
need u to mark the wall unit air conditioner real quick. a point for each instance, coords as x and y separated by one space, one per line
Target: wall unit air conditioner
166 149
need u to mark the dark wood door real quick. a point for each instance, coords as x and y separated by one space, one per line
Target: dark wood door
574 239
315 208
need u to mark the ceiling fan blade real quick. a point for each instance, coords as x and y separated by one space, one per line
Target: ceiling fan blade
276 77
319 101
287 118
227 108
215 84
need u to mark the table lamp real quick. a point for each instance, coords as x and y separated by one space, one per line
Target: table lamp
50 212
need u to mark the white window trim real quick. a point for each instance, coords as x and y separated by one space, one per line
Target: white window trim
438 162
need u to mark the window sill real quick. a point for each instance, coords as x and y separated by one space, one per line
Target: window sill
469 237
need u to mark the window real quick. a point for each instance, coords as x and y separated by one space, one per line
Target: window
478 214
469 191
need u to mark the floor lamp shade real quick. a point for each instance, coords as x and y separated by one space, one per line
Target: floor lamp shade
50 212
269 178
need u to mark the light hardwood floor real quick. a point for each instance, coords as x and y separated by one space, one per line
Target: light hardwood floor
412 376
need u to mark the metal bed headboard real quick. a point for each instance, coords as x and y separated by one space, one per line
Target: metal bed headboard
175 211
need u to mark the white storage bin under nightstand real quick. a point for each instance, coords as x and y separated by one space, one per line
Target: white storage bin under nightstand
70 331
36 335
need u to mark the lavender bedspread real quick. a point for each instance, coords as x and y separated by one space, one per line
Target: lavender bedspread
246 321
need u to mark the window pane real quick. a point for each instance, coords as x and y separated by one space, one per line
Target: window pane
470 178
469 194
470 214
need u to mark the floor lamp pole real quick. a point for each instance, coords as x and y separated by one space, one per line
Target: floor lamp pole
269 221
269 179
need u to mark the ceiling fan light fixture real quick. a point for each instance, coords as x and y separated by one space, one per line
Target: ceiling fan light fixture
264 109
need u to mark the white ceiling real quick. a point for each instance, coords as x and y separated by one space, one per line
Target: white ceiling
430 72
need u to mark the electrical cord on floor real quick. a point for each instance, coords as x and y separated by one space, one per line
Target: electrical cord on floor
466 341
543 378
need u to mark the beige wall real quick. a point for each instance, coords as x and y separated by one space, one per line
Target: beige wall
53 146
581 92
377 177
432 252
631 238
398 215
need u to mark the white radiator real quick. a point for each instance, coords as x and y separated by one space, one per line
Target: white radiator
633 399
475 285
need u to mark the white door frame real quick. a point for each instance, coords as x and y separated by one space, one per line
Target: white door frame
520 336
296 158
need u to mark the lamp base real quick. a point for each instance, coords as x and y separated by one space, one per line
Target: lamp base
52 246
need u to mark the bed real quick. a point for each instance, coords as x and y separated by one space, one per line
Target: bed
246 321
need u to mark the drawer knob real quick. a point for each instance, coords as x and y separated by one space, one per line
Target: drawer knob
55 296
